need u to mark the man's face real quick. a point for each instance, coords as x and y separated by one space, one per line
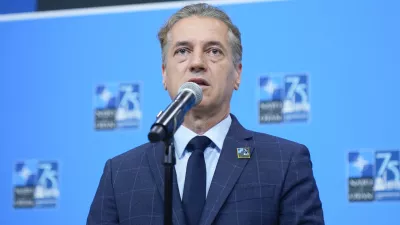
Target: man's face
199 51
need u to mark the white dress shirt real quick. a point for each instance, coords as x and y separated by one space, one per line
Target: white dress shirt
182 137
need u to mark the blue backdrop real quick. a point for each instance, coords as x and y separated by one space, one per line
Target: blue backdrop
50 70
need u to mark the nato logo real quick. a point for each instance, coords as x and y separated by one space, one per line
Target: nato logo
360 180
117 106
374 175
387 175
284 98
36 184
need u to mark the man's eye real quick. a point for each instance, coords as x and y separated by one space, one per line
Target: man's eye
181 51
215 51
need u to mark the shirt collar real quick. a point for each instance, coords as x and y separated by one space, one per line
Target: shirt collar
217 135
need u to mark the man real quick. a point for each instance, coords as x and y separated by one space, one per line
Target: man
224 174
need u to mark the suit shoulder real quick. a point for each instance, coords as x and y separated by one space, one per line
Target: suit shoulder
282 144
133 154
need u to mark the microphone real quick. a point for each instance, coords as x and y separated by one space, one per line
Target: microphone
169 120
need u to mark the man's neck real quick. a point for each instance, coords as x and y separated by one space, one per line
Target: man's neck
201 122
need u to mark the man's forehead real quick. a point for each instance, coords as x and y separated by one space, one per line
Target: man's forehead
199 29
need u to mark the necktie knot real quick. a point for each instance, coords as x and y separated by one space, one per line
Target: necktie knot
199 143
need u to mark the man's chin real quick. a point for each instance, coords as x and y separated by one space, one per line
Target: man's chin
202 107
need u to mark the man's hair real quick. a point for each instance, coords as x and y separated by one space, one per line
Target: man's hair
202 10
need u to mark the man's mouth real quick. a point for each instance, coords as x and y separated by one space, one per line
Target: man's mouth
199 81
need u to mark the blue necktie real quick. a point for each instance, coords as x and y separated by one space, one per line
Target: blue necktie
194 192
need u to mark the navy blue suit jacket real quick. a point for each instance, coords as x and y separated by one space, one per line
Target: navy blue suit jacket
275 186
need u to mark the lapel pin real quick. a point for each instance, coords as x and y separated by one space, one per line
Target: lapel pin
243 153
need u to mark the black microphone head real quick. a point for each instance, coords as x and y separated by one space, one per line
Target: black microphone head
195 89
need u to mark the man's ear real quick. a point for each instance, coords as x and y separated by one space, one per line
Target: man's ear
238 70
164 75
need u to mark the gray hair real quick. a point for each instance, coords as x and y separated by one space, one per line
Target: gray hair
204 10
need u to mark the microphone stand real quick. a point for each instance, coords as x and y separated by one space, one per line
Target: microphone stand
169 163
163 130
161 133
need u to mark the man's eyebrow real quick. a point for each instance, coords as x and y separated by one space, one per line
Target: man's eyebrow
181 43
215 43
207 44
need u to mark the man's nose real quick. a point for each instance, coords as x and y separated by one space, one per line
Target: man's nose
197 64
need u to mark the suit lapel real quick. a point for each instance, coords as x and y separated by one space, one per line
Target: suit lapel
155 157
228 170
